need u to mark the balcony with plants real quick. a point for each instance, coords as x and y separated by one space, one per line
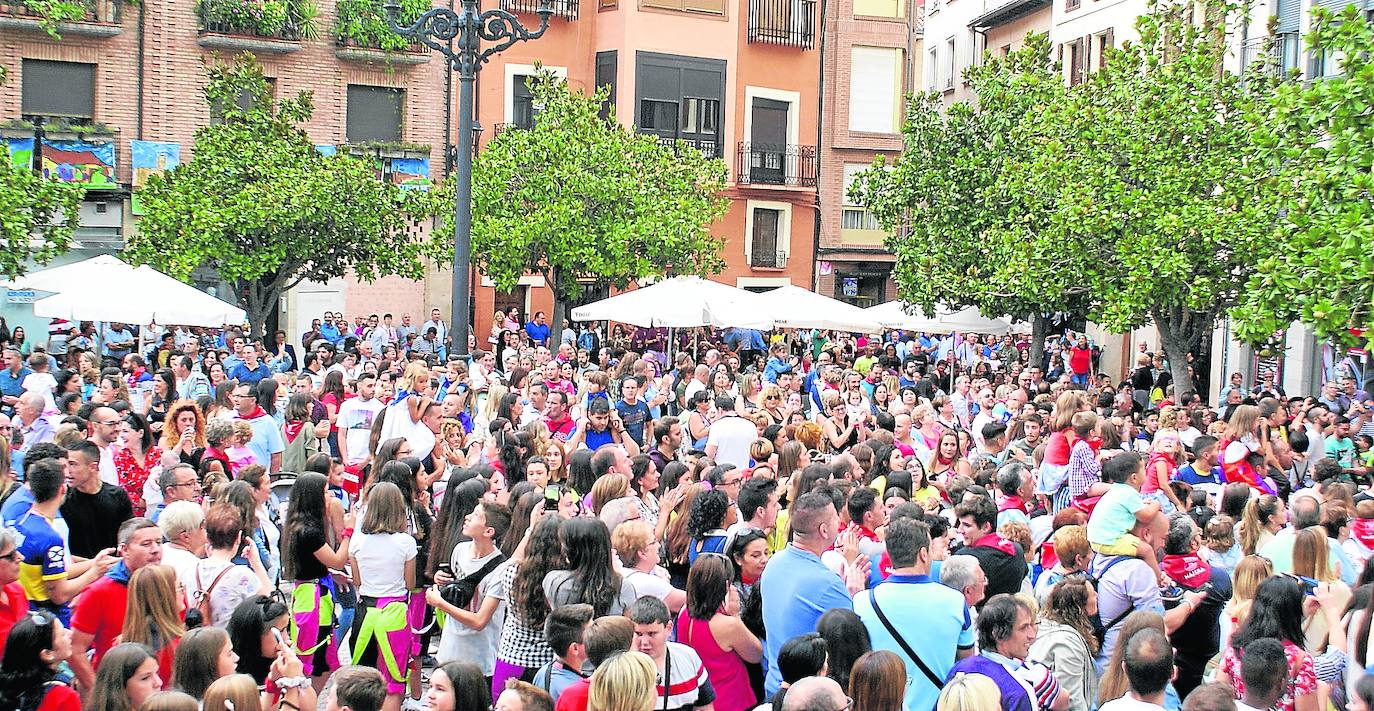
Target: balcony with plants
272 26
363 34
83 18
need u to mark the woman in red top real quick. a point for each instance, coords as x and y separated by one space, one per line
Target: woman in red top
28 673
135 458
332 396
710 625
1081 361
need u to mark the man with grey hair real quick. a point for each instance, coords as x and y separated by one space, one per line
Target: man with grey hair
177 483
1304 512
1198 638
816 693
1006 629
183 526
618 511
965 574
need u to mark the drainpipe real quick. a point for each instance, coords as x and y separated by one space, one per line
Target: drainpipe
820 132
142 42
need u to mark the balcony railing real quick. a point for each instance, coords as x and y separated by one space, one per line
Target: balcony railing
791 23
94 10
708 147
566 9
776 164
245 19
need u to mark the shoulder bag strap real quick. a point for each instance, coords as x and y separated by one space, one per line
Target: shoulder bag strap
873 600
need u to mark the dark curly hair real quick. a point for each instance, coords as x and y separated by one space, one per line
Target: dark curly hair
1067 604
708 513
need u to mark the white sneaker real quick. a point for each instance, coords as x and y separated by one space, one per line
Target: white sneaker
409 704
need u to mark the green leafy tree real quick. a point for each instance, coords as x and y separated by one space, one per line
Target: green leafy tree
963 235
37 216
1318 266
259 204
581 196
1157 180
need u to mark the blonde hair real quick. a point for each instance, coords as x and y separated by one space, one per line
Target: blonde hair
242 430
152 615
969 692
1071 542
237 692
1243 422
625 682
170 701
1250 572
1164 436
809 435
1310 557
414 373
608 488
629 538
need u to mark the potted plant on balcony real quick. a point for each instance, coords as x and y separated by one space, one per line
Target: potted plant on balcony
363 33
269 19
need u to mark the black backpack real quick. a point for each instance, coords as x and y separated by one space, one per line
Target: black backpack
1101 628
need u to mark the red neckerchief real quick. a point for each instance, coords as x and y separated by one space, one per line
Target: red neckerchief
995 540
864 532
293 430
255 414
1362 529
1010 503
1188 570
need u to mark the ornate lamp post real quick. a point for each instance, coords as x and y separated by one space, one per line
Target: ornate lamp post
458 36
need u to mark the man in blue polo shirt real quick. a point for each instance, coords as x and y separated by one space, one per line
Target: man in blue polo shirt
919 616
538 330
800 588
251 370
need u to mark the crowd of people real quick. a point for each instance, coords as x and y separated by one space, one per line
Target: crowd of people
574 520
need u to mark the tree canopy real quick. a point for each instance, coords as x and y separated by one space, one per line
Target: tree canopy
260 204
578 195
1137 195
1318 266
37 216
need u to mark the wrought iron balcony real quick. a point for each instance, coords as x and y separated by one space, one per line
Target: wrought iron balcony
708 147
100 18
791 23
775 164
242 18
566 9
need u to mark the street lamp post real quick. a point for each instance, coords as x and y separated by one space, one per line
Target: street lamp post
458 36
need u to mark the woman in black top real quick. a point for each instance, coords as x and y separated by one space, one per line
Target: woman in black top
306 559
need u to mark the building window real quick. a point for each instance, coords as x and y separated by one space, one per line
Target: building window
523 110
711 7
1102 43
951 65
679 99
605 78
658 116
1071 4
700 115
855 216
874 89
932 68
879 8
374 113
1078 63
764 249
58 89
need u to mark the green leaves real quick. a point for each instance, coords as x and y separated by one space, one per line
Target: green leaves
37 216
1318 264
263 207
579 195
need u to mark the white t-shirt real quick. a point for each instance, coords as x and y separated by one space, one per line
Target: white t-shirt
382 562
43 384
357 416
648 583
237 585
732 436
1127 703
460 642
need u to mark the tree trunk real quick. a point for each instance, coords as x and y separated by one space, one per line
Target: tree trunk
560 310
1039 325
1180 332
258 305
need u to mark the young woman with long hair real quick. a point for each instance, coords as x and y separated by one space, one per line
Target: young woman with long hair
588 578
1238 443
948 458
878 682
707 520
126 678
332 396
204 655
257 631
522 646
1066 640
458 686
1277 613
36 646
135 456
307 559
711 626
382 558
298 432
183 436
153 614
678 540
846 638
1264 516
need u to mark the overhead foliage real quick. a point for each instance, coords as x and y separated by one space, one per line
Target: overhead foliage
37 216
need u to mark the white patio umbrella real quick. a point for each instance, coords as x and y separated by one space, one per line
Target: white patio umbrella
96 269
680 302
144 296
893 314
795 307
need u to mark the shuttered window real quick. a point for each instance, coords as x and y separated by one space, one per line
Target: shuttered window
374 113
64 89
874 89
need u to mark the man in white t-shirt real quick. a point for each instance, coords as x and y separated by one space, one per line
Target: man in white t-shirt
730 436
355 419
